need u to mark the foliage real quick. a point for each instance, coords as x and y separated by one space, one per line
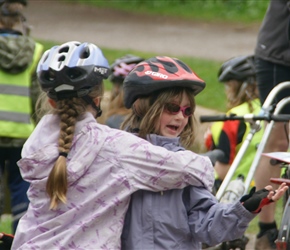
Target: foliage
206 10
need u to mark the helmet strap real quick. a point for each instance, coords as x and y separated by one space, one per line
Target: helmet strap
90 101
242 89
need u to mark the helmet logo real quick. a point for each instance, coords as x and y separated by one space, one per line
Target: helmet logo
156 74
101 70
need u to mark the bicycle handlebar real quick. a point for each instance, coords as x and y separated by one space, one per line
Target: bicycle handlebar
246 118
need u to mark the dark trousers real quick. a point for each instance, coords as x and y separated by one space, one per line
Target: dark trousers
17 186
268 76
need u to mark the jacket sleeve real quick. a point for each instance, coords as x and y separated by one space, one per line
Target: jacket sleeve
212 222
155 168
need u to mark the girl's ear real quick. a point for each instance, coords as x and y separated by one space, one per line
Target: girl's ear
52 103
97 101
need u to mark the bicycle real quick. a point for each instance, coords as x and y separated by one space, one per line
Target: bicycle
282 159
271 113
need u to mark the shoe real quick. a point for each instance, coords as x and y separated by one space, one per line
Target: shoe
267 240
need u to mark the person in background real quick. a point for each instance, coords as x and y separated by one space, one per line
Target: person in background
272 59
82 173
239 77
19 55
161 94
119 70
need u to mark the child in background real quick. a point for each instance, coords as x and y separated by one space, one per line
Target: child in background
119 70
238 75
82 173
160 92
19 55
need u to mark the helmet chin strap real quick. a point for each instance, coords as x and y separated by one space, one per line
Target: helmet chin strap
90 101
242 89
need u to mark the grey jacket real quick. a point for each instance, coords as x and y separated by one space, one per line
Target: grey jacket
273 42
180 219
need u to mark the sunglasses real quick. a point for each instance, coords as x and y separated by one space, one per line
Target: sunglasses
174 109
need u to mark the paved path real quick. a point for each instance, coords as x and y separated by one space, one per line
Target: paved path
57 21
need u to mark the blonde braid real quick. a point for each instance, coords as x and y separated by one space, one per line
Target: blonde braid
56 185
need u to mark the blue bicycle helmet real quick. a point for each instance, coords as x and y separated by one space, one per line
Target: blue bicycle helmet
71 70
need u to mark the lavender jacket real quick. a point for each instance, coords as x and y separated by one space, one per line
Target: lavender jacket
105 166
180 219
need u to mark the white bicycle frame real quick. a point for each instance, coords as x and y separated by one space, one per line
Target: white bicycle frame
255 127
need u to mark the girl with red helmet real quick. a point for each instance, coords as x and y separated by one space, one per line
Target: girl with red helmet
160 92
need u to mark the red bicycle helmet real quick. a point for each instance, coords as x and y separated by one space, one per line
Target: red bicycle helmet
122 67
158 73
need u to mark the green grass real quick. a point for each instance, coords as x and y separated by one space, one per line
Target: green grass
5 224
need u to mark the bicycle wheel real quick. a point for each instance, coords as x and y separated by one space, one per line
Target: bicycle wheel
283 240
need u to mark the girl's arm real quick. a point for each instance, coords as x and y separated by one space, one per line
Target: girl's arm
154 168
212 222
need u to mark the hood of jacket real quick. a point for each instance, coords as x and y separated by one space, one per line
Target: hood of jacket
172 144
16 52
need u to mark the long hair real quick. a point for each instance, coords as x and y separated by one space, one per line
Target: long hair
116 105
146 113
238 92
69 111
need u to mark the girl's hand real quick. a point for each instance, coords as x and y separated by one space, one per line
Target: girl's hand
254 201
278 193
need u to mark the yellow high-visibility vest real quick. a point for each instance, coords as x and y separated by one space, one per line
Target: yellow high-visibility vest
249 155
15 100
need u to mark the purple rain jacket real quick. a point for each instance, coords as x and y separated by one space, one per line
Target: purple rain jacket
105 166
180 219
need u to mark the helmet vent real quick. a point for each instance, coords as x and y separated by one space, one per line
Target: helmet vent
85 53
64 49
61 59
184 66
74 73
49 76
